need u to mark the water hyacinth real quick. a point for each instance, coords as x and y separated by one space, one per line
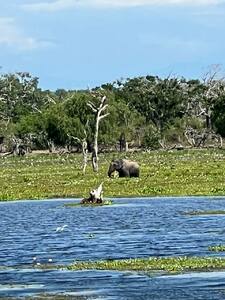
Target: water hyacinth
163 173
217 248
169 264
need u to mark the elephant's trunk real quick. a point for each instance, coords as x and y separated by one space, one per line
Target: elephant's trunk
110 171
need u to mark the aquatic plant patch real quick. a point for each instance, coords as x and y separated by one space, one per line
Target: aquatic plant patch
217 248
75 204
169 264
162 173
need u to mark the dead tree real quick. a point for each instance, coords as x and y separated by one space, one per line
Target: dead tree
214 85
195 138
202 138
17 148
96 196
84 145
51 146
98 117
2 138
122 142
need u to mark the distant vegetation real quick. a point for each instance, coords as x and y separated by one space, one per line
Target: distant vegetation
162 173
130 118
142 113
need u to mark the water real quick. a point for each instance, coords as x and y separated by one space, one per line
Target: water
30 234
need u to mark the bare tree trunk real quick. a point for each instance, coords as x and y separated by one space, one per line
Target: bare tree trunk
96 196
51 146
98 112
190 140
85 153
84 146
94 158
95 148
122 142
126 147
221 142
208 119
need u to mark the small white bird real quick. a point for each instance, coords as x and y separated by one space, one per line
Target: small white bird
61 228
50 260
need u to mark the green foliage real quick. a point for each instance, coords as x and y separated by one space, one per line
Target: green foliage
158 100
76 106
151 138
169 264
56 124
218 115
217 248
19 95
171 173
174 133
144 110
32 123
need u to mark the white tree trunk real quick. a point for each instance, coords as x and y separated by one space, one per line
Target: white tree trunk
83 143
96 196
85 155
98 112
97 193
95 148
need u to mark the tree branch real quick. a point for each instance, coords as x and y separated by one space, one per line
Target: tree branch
92 106
103 116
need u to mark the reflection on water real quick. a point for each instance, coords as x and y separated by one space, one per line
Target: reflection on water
36 232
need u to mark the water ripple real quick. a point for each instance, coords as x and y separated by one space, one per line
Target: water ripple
130 228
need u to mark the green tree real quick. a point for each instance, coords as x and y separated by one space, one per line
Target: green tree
159 100
19 95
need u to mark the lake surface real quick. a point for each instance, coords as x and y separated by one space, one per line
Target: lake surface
30 234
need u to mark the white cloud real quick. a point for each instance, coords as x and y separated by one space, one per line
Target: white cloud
12 36
51 6
58 5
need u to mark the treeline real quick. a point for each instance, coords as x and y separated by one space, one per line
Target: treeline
144 112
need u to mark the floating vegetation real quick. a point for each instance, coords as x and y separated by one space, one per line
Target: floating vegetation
163 173
217 248
105 202
206 212
169 264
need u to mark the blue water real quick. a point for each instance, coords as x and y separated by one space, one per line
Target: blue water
130 228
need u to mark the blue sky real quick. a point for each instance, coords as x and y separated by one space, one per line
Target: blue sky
76 44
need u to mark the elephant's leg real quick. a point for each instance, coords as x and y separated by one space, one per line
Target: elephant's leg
124 173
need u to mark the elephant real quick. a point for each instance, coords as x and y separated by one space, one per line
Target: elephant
125 168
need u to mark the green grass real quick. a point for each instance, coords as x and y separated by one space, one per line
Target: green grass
168 264
163 173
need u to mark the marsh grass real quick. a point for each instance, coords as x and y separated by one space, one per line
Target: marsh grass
175 173
217 248
168 264
178 264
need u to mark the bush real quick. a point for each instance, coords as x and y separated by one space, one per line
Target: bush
151 138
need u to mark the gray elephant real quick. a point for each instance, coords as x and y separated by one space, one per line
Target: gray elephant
125 168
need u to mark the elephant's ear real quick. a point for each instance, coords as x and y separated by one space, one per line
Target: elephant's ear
120 163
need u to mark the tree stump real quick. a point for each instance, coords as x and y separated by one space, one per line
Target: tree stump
96 196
